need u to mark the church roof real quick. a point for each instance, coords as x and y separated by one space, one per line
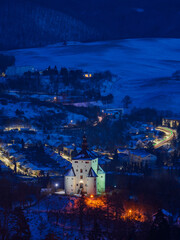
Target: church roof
70 173
92 173
100 170
85 154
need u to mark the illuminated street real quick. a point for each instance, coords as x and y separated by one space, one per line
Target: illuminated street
169 135
9 164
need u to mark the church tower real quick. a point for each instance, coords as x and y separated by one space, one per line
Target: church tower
86 175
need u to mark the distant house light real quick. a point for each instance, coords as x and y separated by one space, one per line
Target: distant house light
87 75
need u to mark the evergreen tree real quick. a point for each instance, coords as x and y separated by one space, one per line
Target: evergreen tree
51 236
65 76
42 226
6 61
115 160
15 165
95 234
22 231
160 227
55 70
22 143
150 147
126 101
81 206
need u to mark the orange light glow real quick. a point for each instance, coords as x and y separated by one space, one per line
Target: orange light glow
135 215
95 202
130 213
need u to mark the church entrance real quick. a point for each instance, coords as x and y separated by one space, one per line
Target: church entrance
80 190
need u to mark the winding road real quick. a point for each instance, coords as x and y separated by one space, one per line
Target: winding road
169 135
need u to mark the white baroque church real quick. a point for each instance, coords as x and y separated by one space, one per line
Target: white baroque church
85 176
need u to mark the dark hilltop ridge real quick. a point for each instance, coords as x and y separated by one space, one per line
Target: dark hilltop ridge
31 23
25 24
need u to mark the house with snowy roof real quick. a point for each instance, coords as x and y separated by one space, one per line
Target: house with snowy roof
171 122
86 176
140 156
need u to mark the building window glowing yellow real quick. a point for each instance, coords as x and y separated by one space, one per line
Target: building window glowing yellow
87 75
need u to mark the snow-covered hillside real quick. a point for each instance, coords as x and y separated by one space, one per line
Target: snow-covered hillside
143 67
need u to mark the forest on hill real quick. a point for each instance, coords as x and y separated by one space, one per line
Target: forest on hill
24 24
32 23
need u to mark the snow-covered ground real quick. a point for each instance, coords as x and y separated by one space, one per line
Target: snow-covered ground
10 109
41 223
138 64
32 111
73 117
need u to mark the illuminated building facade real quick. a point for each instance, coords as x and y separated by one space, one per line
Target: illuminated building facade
85 176
171 122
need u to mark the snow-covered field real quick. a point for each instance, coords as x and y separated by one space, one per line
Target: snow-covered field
138 64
